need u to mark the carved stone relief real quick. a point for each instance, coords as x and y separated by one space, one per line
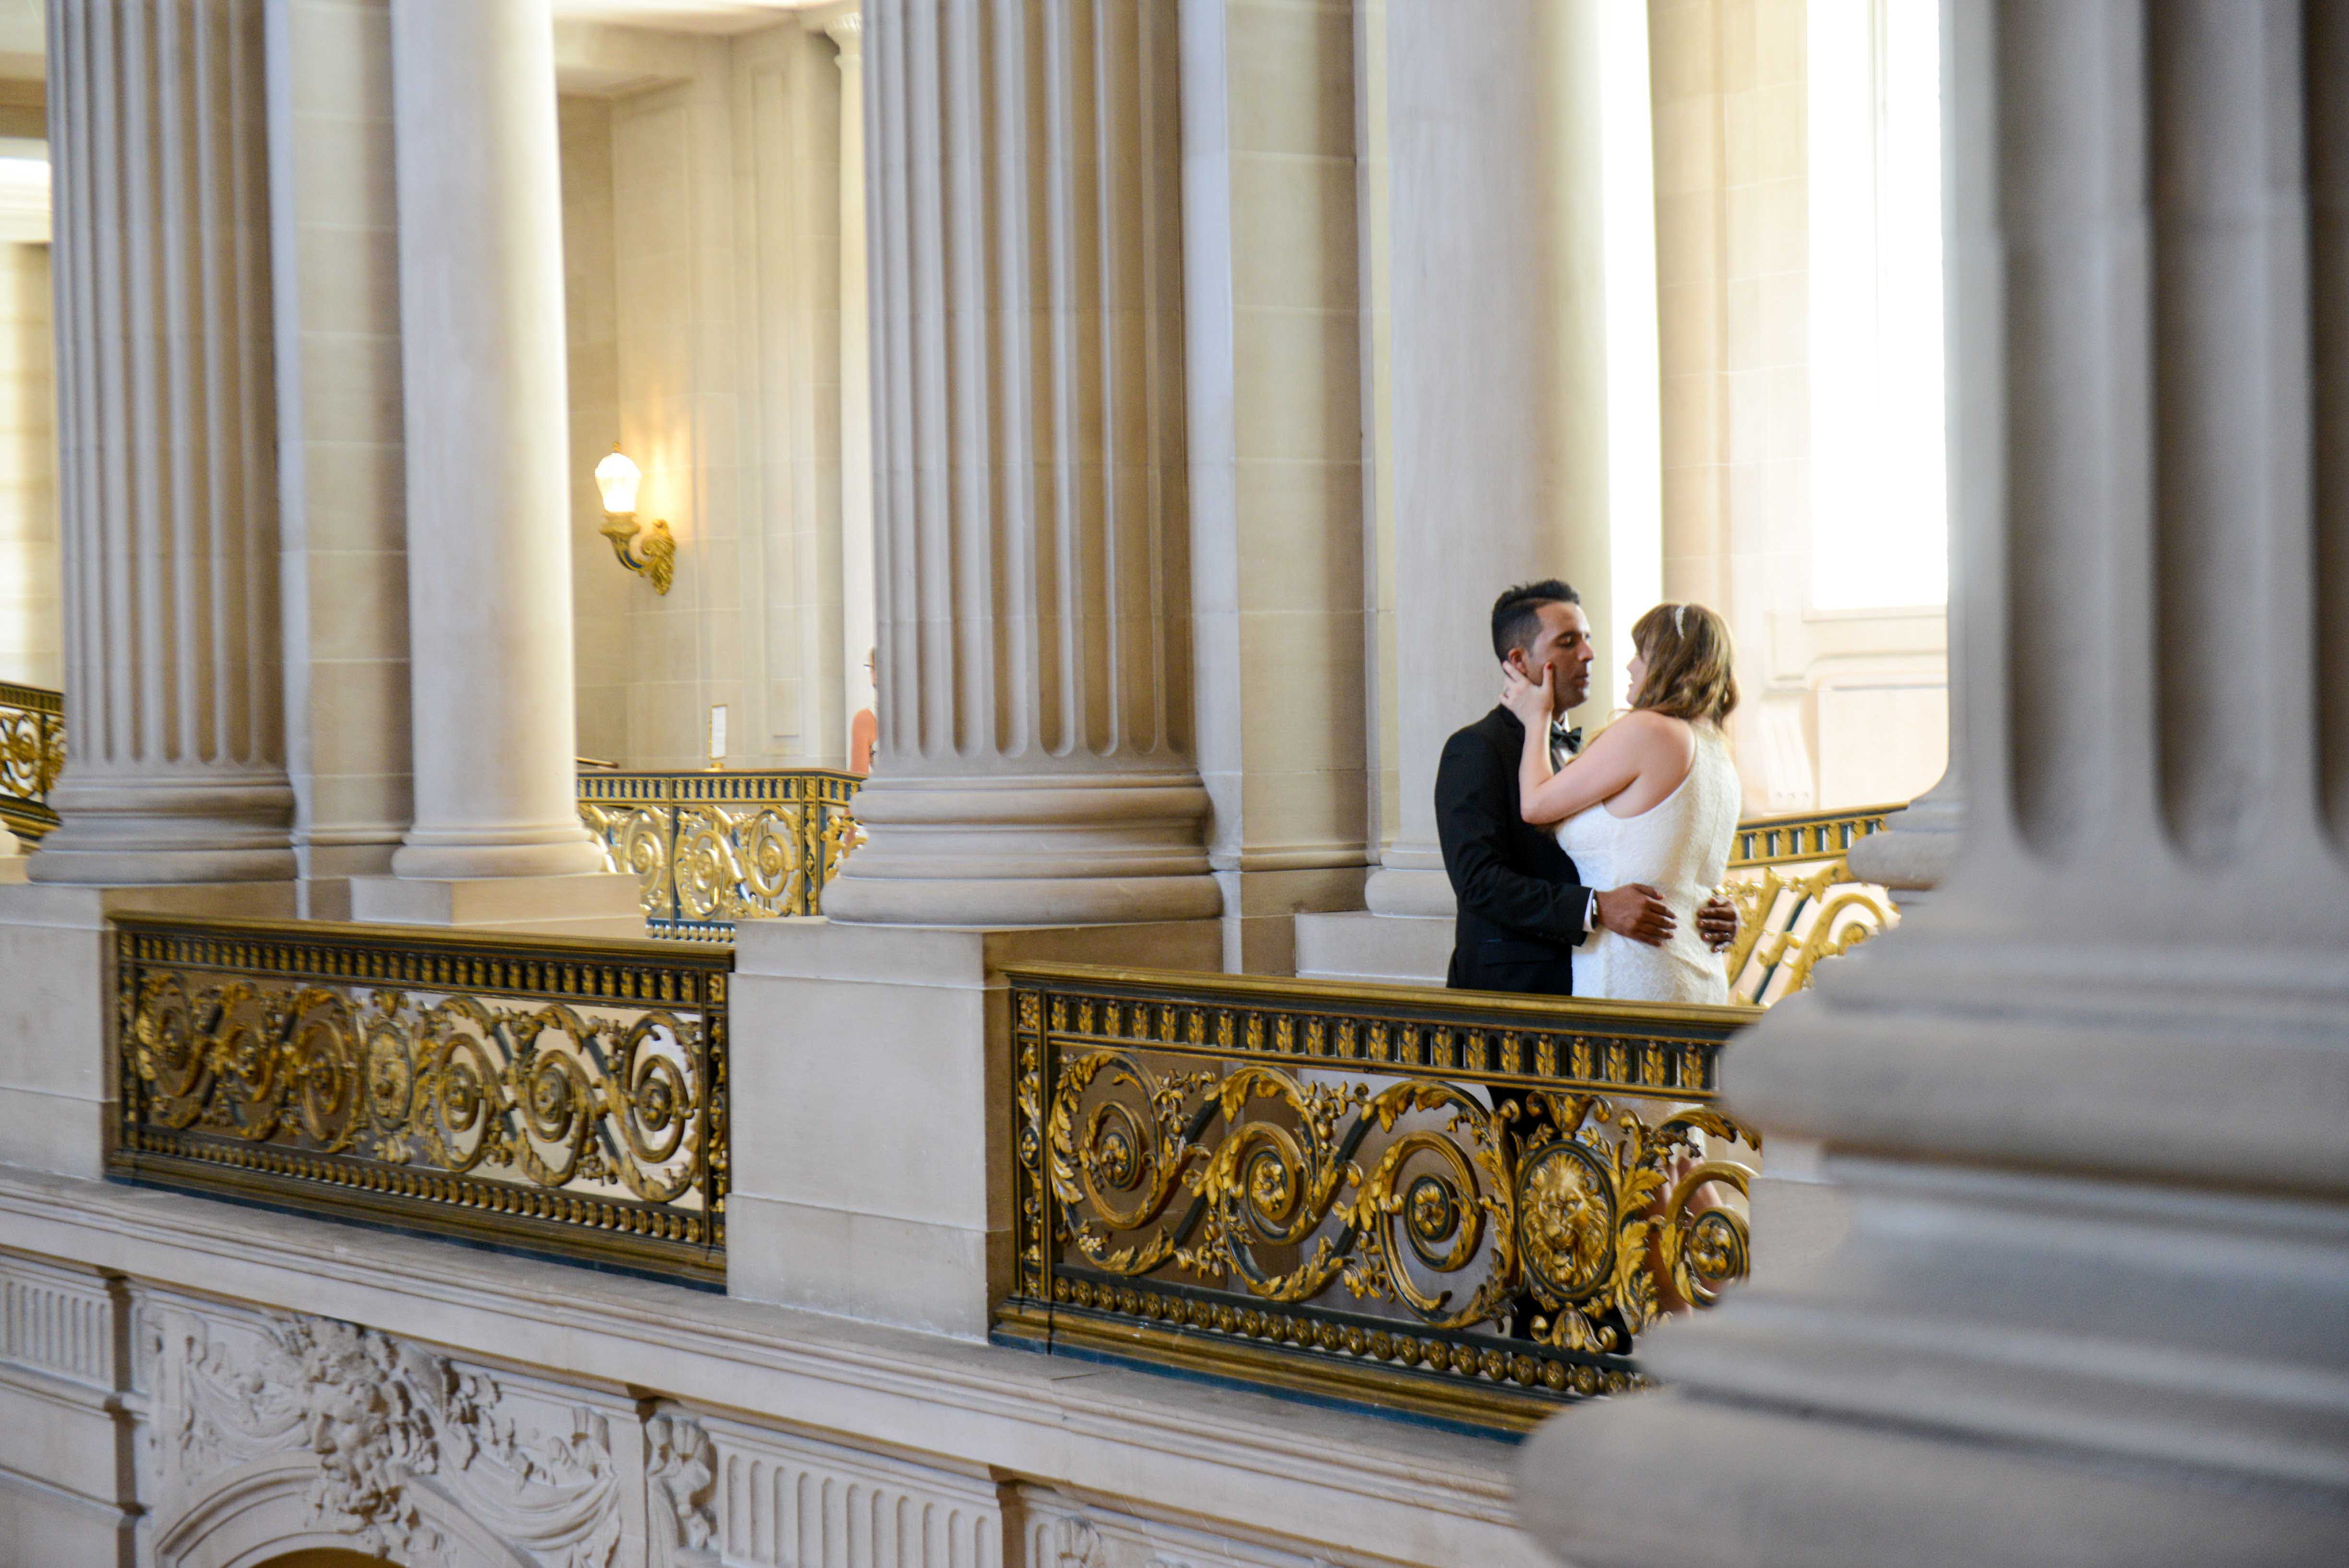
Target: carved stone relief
398 1451
254 1433
681 1490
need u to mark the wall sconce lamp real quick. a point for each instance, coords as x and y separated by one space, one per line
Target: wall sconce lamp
617 478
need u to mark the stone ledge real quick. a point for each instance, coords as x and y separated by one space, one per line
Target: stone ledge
1327 1481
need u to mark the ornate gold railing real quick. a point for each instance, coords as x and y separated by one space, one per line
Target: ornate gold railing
32 753
546 1094
1466 1206
1796 900
711 848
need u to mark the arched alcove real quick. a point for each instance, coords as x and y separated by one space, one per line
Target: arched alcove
328 1557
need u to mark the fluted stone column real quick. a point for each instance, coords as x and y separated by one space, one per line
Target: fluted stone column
2092 1106
167 479
488 572
845 29
1499 366
1025 211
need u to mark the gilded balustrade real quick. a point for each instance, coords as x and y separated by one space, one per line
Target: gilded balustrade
1466 1206
552 1095
32 754
1798 901
711 848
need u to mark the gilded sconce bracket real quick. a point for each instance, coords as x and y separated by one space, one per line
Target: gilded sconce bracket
656 557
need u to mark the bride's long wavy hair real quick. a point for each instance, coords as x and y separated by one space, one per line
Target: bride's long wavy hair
1691 663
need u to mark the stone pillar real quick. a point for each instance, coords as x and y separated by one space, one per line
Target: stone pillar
1499 367
1030 521
2088 1105
488 563
167 432
846 31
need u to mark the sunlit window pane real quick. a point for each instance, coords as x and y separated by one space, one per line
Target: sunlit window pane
1879 518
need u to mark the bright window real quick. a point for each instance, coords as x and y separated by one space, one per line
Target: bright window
1880 510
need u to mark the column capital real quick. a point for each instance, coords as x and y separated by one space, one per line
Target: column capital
844 25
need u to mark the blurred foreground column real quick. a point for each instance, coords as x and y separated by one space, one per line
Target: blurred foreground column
2092 1104
1035 793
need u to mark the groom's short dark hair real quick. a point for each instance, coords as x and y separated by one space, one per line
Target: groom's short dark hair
1516 615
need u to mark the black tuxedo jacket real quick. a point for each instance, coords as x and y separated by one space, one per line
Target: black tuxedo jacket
1521 901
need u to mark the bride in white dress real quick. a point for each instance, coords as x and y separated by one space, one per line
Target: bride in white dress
1652 801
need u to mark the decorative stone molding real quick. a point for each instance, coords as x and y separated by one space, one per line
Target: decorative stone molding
403 1452
1062 1532
60 1321
782 1500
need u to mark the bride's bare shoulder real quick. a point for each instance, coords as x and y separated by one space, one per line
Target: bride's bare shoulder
1645 727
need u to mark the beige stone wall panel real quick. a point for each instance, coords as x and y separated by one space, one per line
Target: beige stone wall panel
342 483
1274 379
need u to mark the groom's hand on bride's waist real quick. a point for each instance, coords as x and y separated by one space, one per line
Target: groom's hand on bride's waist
1636 911
1716 923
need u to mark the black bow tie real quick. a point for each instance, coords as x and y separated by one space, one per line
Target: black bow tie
1559 735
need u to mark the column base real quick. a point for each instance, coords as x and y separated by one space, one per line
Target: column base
562 851
871 1102
1996 1371
58 1086
168 832
1112 849
1918 848
1384 949
600 904
1411 881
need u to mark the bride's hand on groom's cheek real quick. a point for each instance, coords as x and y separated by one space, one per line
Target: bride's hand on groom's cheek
1529 701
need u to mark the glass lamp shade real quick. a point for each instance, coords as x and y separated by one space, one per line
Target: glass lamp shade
617 477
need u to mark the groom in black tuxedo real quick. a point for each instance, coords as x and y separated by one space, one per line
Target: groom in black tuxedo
1523 906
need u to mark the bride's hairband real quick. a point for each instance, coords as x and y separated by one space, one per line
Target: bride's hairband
1679 612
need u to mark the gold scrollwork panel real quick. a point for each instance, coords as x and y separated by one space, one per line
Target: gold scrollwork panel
32 755
1790 918
710 850
572 1105
1469 1248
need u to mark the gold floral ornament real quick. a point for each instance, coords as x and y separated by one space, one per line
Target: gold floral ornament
1593 1202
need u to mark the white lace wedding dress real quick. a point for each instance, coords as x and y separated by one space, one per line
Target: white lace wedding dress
1680 846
